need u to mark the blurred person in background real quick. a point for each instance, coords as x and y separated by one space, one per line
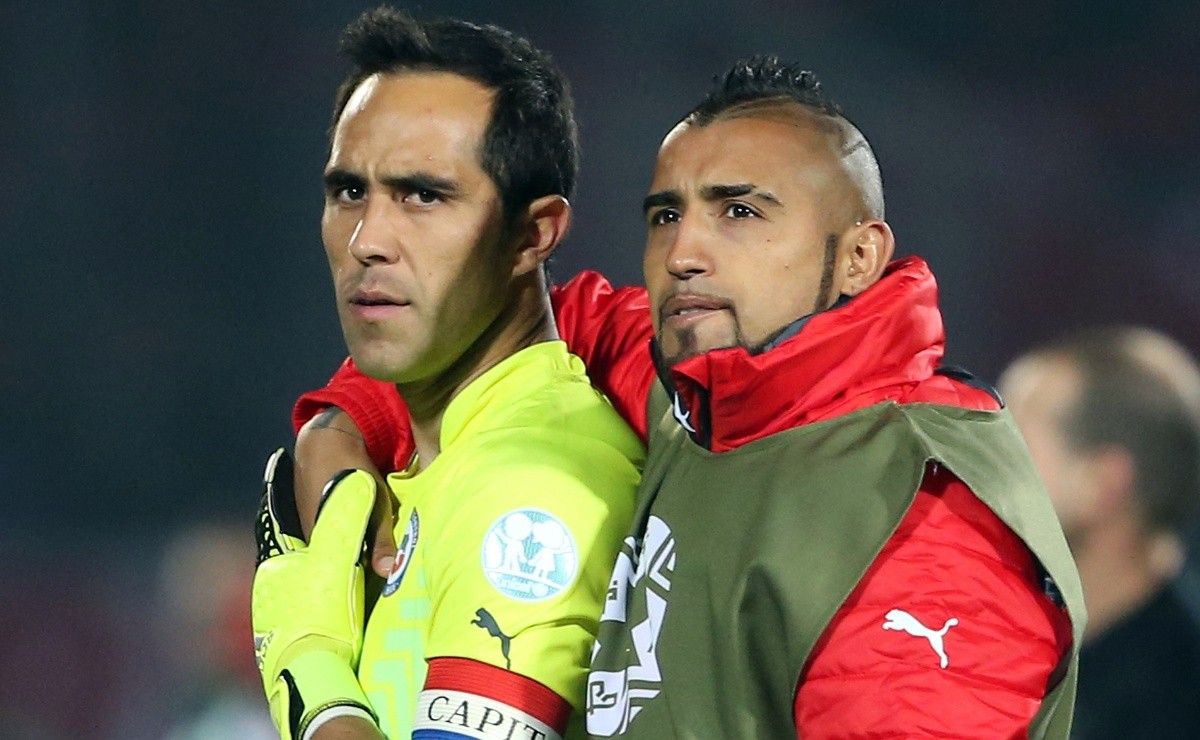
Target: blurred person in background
1112 418
204 624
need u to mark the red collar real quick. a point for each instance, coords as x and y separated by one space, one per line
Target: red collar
875 347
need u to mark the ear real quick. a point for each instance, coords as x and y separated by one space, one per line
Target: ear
547 220
1112 471
872 245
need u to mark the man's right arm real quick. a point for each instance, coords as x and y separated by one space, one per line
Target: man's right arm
358 422
374 410
608 327
328 444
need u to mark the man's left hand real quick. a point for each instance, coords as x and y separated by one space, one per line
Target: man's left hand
307 605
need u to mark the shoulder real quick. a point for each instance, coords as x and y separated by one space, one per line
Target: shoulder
558 422
951 552
561 449
592 289
952 386
555 467
950 587
1141 676
946 517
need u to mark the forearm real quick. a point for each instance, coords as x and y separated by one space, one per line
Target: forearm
326 445
379 414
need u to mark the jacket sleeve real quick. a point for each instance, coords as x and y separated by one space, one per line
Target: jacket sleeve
948 634
374 406
610 329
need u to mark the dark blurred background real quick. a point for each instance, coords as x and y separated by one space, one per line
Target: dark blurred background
164 296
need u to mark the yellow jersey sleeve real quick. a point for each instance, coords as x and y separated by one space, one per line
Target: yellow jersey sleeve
518 571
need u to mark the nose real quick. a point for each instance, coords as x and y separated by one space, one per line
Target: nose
375 239
688 255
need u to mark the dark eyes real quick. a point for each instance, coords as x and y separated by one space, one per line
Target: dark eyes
664 217
355 193
740 210
350 194
423 197
736 211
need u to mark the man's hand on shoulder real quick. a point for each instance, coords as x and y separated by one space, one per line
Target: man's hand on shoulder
327 444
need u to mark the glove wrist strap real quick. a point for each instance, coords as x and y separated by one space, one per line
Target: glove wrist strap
333 713
312 684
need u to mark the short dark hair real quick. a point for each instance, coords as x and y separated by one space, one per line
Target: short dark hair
531 145
762 81
1141 392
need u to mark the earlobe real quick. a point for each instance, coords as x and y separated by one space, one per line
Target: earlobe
547 221
871 250
1113 472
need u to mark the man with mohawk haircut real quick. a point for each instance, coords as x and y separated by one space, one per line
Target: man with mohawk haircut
835 535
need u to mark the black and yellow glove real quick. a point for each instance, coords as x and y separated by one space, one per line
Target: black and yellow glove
307 605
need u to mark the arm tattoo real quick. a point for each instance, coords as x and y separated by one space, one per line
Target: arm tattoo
326 419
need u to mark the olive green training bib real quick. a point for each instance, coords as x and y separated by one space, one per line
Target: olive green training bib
738 561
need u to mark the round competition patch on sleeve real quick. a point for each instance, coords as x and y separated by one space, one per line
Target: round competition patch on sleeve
529 555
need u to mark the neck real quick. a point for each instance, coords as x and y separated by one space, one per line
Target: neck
525 321
1121 568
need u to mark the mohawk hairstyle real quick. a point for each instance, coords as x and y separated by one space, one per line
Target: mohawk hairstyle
762 81
530 148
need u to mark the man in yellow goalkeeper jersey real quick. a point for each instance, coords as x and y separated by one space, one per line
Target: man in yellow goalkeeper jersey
452 157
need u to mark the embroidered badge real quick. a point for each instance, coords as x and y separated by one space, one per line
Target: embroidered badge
898 619
404 554
529 555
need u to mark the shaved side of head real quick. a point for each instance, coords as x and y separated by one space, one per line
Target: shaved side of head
863 169
765 87
855 157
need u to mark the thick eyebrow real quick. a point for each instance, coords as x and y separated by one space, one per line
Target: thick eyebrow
718 192
663 198
338 178
414 181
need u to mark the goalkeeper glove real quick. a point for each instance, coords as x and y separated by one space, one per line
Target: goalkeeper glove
307 605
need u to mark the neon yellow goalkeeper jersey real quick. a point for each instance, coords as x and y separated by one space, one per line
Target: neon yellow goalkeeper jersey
507 539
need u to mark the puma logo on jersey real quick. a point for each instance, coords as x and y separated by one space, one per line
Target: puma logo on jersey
682 416
898 619
486 621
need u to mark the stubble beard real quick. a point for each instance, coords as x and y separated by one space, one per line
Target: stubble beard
689 344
